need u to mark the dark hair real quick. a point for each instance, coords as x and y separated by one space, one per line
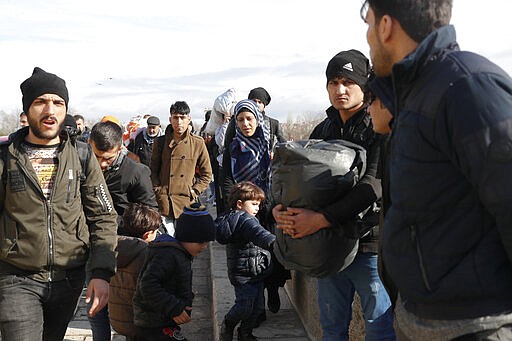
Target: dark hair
106 135
139 219
418 18
79 117
180 107
244 191
207 115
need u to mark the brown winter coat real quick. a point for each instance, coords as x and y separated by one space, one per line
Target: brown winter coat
130 258
173 171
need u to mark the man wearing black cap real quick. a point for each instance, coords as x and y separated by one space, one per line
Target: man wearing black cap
142 145
56 216
347 119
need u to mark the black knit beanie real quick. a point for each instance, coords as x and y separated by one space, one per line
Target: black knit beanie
261 94
195 225
40 83
69 121
350 64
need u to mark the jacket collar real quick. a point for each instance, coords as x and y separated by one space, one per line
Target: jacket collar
19 135
439 42
334 115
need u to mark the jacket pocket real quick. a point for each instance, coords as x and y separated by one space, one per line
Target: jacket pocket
9 236
416 245
82 233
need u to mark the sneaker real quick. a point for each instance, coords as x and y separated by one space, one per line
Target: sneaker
174 333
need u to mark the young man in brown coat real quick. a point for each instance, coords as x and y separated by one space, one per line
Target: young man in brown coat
173 166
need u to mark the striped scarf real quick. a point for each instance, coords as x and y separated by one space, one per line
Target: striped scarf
250 156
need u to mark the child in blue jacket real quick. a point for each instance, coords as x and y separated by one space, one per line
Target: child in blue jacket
248 258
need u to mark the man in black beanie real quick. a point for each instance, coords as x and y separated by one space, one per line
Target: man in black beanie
347 118
56 216
261 97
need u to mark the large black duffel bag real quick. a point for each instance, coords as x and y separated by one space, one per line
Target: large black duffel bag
313 174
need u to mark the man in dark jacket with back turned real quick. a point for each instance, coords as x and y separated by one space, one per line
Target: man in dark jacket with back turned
55 217
447 237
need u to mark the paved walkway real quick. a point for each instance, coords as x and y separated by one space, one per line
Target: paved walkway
285 325
199 329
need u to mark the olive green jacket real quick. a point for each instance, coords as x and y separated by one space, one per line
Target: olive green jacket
41 238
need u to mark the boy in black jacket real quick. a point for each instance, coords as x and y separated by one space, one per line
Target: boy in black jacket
163 297
248 258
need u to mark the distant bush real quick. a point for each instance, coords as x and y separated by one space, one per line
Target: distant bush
301 127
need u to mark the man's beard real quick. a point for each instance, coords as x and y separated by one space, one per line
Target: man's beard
45 135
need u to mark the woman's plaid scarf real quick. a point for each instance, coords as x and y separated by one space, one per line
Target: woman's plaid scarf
250 156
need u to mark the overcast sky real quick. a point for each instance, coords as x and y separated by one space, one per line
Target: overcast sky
127 57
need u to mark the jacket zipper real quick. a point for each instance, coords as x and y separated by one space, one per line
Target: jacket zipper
70 184
77 182
101 195
48 219
416 242
50 240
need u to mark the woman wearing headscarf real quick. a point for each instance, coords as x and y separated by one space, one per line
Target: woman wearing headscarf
248 159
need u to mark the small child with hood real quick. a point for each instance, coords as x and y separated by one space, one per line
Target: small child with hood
248 258
163 297
141 224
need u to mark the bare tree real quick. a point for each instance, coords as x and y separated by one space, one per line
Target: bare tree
301 126
10 121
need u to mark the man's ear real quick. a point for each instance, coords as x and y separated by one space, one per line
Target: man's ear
385 29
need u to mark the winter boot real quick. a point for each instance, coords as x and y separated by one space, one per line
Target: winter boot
246 335
261 318
273 303
226 330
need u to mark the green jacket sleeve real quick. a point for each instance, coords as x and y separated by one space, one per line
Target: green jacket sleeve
101 220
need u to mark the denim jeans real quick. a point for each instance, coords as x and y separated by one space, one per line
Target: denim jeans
249 304
32 310
100 324
336 295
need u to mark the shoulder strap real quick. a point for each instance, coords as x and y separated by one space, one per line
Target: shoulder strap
5 160
84 154
161 142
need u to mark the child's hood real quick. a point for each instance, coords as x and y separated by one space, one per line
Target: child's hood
225 226
129 248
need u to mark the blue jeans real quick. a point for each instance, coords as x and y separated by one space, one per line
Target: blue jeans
100 324
336 295
32 310
249 304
